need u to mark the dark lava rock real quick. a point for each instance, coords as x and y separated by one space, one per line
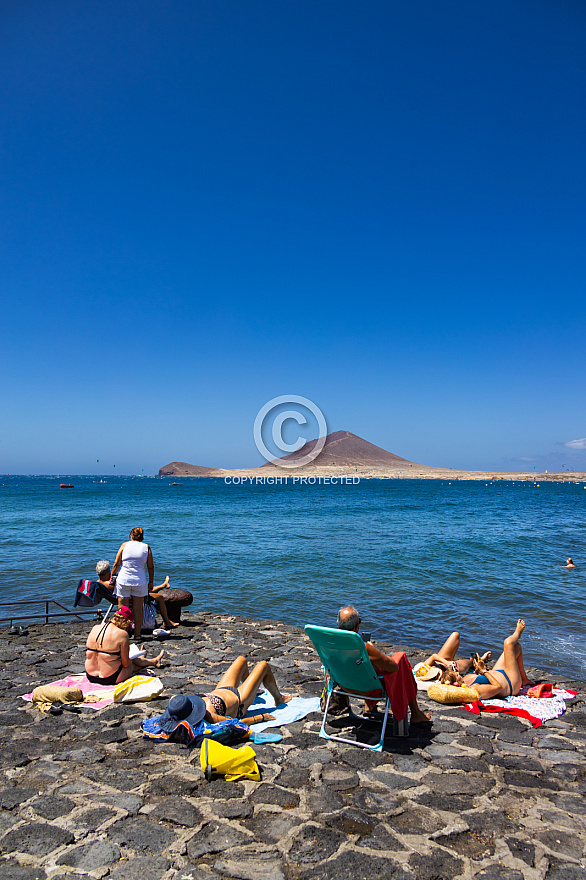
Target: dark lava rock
83 755
415 821
36 839
522 850
111 735
170 784
513 735
376 801
436 865
293 777
313 844
178 811
514 762
477 742
564 871
51 806
323 800
448 803
339 778
499 872
352 821
491 821
123 780
562 842
219 789
232 810
141 835
12 797
93 818
382 839
356 866
271 827
464 762
11 870
528 780
90 856
480 730
469 843
362 759
214 837
145 868
272 794
458 783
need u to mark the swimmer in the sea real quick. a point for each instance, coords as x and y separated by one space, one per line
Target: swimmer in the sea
570 563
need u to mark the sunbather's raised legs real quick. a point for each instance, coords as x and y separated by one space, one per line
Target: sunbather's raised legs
248 683
511 660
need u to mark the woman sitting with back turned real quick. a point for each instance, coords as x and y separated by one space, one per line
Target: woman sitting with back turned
506 678
107 661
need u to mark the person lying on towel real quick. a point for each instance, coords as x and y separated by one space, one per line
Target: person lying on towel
107 661
506 678
236 691
349 619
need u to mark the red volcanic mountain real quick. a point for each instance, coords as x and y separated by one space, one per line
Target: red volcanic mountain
343 449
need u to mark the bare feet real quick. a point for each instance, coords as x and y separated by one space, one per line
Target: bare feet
419 717
486 656
284 698
166 581
157 660
170 623
519 629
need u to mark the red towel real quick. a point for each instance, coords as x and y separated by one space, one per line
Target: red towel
400 686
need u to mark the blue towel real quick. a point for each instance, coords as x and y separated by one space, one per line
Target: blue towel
286 713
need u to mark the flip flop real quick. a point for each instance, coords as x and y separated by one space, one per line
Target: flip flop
265 736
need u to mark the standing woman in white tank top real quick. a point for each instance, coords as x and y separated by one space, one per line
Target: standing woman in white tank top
134 559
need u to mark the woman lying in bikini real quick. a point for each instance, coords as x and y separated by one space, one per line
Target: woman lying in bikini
107 661
446 657
236 691
506 678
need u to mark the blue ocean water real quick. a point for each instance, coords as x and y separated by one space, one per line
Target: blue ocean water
419 558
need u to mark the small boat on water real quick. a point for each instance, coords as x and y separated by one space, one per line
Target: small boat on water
176 484
66 486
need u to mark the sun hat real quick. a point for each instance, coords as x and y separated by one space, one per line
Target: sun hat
183 707
424 672
126 612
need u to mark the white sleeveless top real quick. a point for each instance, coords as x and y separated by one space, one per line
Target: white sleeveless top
132 571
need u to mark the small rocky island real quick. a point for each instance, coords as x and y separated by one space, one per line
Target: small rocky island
87 796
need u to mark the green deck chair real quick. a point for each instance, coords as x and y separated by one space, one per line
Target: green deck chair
347 666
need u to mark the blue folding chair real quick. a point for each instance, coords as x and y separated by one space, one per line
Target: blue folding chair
348 670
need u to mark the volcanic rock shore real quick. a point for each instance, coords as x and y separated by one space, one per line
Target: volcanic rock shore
87 796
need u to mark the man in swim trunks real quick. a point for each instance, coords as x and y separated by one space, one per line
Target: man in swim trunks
236 691
349 619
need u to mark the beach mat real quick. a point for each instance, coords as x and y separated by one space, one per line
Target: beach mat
287 713
536 710
97 695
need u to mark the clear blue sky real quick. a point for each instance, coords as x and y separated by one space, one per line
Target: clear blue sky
378 206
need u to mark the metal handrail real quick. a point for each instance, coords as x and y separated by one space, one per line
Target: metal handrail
80 614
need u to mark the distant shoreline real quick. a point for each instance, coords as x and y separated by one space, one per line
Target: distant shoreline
414 473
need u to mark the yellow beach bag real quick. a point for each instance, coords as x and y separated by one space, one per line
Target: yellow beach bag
230 763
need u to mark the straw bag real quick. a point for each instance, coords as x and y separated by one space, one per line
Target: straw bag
451 695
